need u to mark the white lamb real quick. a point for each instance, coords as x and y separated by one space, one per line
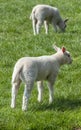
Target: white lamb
30 69
48 15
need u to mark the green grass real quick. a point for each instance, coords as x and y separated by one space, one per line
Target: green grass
17 40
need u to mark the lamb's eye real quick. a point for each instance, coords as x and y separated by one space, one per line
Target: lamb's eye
68 55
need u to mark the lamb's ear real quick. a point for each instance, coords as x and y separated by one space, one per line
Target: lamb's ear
66 20
63 49
56 48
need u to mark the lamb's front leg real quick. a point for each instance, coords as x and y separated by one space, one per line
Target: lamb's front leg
54 26
51 91
40 90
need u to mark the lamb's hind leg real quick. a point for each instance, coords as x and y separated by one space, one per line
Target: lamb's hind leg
38 26
46 26
34 21
15 87
26 95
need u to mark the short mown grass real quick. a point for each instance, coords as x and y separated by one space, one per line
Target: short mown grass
17 40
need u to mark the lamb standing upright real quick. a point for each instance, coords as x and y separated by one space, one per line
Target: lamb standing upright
48 15
30 69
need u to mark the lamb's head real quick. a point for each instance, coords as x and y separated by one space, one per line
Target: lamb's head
63 55
62 25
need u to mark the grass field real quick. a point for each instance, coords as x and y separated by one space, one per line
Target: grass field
17 40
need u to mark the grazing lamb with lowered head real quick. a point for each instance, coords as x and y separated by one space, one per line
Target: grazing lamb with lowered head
48 15
30 69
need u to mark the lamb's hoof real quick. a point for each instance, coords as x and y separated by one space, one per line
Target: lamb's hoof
12 106
39 100
24 108
50 102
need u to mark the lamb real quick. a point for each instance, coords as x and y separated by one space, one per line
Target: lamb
48 15
31 69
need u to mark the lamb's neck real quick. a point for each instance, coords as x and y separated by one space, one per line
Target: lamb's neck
59 58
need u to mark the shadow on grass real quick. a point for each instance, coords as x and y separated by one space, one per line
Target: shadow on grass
59 104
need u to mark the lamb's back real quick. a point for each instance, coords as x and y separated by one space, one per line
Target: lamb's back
45 11
39 67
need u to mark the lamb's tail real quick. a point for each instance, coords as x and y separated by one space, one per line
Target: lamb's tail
16 74
32 15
